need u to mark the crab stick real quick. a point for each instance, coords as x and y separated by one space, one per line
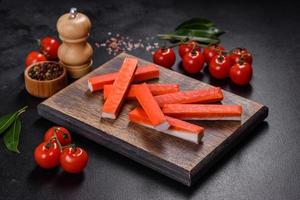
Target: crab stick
153 111
178 128
156 89
142 73
203 111
207 95
120 88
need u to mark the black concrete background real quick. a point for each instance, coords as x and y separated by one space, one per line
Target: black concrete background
264 166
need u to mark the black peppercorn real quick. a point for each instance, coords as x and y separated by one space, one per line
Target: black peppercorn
45 71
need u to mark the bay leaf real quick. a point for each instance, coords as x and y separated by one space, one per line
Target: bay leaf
175 37
199 29
214 32
198 33
6 121
200 21
11 136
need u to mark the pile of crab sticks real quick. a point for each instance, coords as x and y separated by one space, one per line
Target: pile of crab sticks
162 107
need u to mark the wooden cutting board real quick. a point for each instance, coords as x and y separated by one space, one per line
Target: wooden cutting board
77 109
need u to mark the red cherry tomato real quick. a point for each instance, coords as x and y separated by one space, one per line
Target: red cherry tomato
49 46
73 159
237 53
241 73
193 62
187 48
210 52
33 57
62 134
47 154
219 66
164 57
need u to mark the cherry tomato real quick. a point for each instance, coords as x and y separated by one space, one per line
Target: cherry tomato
62 134
187 48
33 57
193 62
210 52
49 46
241 73
237 53
219 66
47 154
164 57
73 159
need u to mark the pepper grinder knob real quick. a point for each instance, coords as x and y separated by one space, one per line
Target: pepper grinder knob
73 13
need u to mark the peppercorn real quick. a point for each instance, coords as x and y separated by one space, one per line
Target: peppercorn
45 71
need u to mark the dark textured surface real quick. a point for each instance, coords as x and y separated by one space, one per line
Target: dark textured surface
265 166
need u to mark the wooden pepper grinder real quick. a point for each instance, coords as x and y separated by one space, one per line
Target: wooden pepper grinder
75 53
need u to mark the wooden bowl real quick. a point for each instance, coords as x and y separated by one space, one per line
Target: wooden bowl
47 88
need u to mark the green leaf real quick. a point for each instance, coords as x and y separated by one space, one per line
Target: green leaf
176 37
11 136
197 33
199 29
195 26
6 121
200 21
213 32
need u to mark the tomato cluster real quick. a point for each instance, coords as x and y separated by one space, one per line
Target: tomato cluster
235 64
56 149
48 51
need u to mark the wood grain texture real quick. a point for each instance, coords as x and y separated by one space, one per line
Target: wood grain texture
78 110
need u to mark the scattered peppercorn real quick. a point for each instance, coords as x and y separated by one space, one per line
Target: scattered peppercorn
45 71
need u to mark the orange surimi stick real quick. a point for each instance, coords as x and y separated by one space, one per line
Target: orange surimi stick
178 128
144 73
203 112
150 106
121 85
156 89
207 95
159 89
